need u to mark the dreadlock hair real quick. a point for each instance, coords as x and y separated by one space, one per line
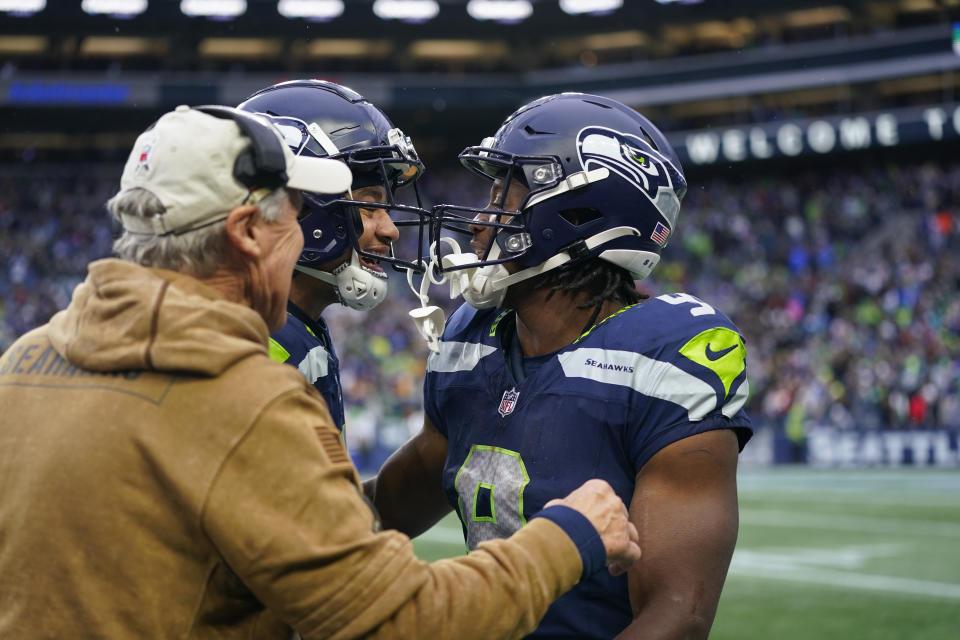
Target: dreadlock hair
602 280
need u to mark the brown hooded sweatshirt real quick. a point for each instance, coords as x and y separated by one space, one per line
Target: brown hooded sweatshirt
161 477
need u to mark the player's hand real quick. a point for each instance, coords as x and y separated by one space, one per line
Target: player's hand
596 500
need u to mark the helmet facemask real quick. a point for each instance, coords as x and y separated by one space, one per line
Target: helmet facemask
510 238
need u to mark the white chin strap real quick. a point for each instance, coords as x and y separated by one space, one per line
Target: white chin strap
485 287
356 286
477 285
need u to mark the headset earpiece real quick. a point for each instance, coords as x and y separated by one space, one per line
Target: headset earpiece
263 164
245 169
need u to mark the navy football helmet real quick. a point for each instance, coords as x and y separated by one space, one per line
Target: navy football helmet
603 182
327 120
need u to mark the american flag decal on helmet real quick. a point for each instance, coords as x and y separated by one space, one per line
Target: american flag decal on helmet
660 234
508 402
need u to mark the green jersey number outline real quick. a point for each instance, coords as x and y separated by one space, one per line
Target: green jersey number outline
494 478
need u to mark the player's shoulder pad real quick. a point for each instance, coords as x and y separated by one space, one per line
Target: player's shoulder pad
293 338
675 347
664 320
467 322
468 337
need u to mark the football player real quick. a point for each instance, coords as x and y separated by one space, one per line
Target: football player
346 240
558 369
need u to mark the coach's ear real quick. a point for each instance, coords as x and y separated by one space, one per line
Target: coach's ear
241 233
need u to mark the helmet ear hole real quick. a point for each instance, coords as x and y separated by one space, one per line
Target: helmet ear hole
580 216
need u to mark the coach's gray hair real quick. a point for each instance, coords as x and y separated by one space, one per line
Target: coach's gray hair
199 252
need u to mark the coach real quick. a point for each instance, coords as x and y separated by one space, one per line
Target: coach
161 477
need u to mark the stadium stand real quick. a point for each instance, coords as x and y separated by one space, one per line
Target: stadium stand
845 283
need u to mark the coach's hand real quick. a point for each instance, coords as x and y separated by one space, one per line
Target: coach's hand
596 500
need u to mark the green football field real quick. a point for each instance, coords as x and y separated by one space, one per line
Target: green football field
851 555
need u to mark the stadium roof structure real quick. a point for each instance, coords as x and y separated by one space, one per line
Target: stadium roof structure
689 66
549 36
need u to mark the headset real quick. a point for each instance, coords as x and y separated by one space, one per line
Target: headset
262 165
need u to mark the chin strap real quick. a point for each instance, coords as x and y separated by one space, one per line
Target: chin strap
356 286
497 279
477 285
483 287
429 319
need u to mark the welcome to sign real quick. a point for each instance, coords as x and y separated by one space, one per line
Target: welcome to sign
792 138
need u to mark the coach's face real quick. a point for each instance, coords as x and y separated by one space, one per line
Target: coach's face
270 250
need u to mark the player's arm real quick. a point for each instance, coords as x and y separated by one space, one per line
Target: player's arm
685 509
408 491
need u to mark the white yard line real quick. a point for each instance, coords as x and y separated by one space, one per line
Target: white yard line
855 497
847 579
838 522
806 480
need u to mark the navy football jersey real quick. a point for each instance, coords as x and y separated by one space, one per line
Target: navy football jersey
306 345
645 377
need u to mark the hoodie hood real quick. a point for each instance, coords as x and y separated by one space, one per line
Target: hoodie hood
126 317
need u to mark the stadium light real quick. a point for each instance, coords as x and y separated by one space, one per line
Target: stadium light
115 8
344 48
213 8
406 10
310 9
20 45
22 7
500 10
576 7
120 46
240 48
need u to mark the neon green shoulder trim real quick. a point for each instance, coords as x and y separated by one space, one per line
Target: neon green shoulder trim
496 321
612 315
277 352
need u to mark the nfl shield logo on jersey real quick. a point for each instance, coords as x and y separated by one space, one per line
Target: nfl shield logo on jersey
508 402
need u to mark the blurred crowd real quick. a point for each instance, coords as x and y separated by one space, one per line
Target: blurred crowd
844 283
846 286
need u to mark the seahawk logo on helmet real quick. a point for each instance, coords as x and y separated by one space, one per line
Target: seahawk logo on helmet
633 159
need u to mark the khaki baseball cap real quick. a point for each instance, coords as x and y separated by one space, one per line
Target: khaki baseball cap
186 159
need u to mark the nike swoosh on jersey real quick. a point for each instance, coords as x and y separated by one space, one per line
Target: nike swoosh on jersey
716 355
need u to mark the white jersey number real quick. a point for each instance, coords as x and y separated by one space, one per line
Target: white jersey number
701 308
